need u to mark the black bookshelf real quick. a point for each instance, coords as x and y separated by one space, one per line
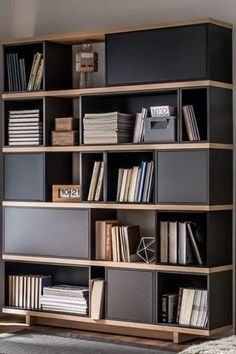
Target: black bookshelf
192 181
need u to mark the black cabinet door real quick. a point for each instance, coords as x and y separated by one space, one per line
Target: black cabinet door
130 295
168 54
182 176
24 177
47 232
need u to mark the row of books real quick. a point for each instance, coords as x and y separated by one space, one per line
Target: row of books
25 127
25 290
108 128
35 292
180 242
117 243
135 184
189 307
65 298
96 182
16 73
191 123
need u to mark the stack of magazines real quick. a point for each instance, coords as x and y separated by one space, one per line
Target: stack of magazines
108 128
65 298
25 128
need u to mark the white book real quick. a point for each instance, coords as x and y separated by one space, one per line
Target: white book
26 111
94 180
21 291
98 192
127 185
133 181
97 299
23 143
23 120
123 185
149 191
182 242
137 127
25 116
119 182
186 306
196 308
173 242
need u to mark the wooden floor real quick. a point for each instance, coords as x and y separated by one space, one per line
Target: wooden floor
10 324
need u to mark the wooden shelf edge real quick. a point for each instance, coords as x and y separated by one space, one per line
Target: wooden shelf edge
144 326
120 206
136 265
118 147
75 93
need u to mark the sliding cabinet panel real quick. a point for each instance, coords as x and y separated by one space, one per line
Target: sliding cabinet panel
47 232
24 177
130 295
182 176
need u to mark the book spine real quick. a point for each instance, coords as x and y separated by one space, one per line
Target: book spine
179 304
98 194
164 308
108 243
142 179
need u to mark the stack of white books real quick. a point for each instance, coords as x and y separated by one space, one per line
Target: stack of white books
25 127
108 128
65 298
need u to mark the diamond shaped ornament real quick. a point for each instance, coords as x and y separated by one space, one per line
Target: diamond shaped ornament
146 249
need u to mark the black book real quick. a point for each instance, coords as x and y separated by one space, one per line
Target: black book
196 237
169 307
18 72
13 75
22 74
9 73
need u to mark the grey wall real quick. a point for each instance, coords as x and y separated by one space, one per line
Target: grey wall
30 17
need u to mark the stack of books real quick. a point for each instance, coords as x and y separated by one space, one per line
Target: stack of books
25 290
108 128
25 127
189 307
135 184
16 73
65 298
191 123
96 182
180 242
117 243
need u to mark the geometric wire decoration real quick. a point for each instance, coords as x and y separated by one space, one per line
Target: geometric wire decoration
146 249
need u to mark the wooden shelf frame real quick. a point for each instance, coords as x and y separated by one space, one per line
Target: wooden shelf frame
99 35
136 265
76 93
120 206
116 147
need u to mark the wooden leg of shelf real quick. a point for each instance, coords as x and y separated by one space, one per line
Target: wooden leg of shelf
29 320
182 337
